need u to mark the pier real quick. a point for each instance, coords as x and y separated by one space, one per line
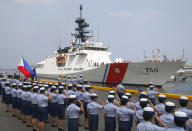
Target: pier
9 123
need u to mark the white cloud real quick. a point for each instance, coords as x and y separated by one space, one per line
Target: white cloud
35 1
139 16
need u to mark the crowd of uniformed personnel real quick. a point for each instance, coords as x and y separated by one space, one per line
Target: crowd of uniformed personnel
33 101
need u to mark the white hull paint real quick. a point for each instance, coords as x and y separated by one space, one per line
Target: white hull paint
140 73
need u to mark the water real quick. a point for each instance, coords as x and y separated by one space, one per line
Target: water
179 87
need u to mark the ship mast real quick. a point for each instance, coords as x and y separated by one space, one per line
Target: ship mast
81 30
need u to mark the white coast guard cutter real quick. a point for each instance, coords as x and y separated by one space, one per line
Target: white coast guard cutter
91 59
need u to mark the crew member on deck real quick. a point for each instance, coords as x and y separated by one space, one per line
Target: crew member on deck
42 101
19 92
184 101
73 112
61 107
23 103
8 96
168 117
53 106
120 89
81 80
161 106
87 100
92 109
147 125
180 119
59 80
79 95
110 114
151 94
29 107
123 115
3 83
14 98
34 108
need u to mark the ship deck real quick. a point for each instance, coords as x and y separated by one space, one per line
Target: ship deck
9 123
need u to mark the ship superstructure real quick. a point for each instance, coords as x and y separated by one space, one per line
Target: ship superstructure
91 59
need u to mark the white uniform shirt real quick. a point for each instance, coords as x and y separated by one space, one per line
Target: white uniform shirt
110 110
120 88
61 98
139 116
188 126
124 113
168 120
42 100
34 98
148 126
73 111
188 111
161 108
86 97
93 107
151 93
175 129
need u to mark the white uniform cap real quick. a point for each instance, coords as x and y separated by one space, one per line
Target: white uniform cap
50 83
180 114
162 96
36 87
74 76
42 88
80 86
25 86
124 97
34 84
111 91
70 85
183 98
127 94
60 87
46 85
148 109
143 100
93 94
14 84
151 86
53 87
111 96
20 84
72 96
143 93
7 82
170 104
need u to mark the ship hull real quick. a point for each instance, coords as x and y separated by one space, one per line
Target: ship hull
131 73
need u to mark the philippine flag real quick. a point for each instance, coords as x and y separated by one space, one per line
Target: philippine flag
25 69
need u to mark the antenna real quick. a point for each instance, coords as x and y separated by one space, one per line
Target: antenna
153 55
145 56
183 55
159 54
98 33
81 8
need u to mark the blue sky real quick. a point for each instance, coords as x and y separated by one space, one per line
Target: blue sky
32 28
